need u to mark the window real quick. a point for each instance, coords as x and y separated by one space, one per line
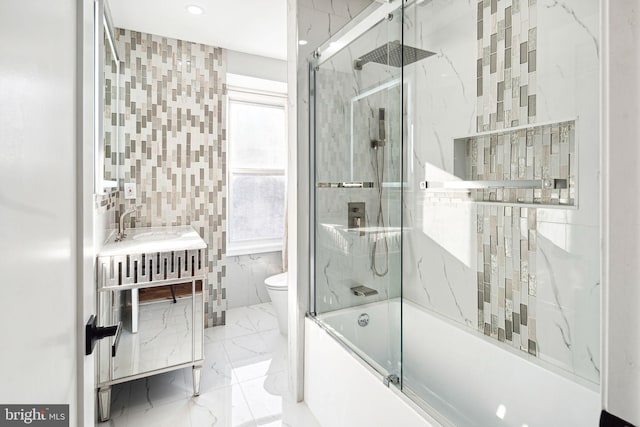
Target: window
257 158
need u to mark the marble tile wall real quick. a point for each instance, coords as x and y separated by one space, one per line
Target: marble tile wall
343 256
568 273
318 20
174 143
439 270
246 275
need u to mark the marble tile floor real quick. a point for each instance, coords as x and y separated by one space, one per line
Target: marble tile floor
244 382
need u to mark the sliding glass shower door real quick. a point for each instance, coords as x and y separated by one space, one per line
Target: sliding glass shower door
357 135
501 267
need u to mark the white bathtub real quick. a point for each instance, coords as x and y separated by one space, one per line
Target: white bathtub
463 376
378 343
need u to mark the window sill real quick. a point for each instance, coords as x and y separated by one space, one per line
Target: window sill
250 249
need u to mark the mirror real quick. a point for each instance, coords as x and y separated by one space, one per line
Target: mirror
108 103
164 336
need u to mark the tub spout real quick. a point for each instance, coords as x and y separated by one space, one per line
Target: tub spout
363 291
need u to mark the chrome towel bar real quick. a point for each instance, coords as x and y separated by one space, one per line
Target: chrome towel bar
544 184
356 184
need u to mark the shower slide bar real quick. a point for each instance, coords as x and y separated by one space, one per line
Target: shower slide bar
544 184
357 184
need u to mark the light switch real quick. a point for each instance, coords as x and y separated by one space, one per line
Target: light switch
129 190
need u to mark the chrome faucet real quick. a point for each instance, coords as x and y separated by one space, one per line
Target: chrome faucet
121 234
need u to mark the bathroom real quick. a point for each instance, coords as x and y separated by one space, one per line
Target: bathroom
184 153
433 226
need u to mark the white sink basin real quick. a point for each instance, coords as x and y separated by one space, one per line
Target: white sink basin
153 239
149 236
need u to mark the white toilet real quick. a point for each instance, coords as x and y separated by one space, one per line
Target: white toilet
277 288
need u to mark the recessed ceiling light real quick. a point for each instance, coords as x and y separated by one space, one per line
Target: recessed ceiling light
195 10
302 42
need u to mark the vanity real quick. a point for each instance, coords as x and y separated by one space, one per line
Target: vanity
152 282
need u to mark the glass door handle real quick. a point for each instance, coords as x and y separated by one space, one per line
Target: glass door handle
93 332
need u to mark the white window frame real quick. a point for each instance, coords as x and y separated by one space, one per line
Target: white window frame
252 96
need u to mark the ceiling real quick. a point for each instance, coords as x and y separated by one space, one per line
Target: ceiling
257 27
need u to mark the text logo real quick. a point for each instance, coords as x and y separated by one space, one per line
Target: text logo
34 415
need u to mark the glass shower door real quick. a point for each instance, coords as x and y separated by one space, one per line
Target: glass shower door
501 267
357 124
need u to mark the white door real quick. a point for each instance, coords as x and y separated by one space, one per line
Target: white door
89 223
46 249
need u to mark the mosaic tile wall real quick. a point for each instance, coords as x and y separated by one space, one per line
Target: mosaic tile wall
539 152
174 143
110 114
105 202
333 92
506 81
506 64
506 274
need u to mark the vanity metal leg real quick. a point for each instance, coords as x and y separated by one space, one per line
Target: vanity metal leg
196 379
134 311
104 403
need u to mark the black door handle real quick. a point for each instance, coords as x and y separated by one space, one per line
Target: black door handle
93 332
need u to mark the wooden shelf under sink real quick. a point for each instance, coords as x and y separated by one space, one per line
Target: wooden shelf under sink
164 292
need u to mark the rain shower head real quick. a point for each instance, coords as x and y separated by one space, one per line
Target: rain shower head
392 54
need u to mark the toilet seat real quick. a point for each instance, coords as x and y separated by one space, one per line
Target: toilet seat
277 282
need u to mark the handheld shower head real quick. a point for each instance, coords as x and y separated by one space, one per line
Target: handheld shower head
378 143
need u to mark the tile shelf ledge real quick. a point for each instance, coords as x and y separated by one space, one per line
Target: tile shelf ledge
518 128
